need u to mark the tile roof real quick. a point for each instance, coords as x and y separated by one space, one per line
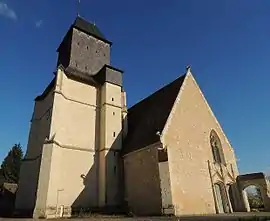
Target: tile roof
149 116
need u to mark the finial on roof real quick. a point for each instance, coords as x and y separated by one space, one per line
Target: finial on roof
188 69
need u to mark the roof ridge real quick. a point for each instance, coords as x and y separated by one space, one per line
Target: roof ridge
157 91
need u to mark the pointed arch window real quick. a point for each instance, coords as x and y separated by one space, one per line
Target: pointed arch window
216 147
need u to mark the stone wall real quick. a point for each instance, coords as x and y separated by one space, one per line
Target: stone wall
187 139
142 182
68 173
29 174
75 117
165 185
66 181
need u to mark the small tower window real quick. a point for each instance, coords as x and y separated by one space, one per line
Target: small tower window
114 169
113 134
87 47
86 68
78 43
113 113
112 99
76 64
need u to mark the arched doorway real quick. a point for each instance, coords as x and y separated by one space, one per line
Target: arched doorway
255 192
221 198
254 198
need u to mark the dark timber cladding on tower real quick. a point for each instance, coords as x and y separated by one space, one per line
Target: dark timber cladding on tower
85 54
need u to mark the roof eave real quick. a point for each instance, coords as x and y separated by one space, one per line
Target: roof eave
46 91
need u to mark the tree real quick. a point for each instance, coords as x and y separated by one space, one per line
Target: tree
11 164
255 198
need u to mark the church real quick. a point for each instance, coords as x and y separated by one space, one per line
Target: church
87 151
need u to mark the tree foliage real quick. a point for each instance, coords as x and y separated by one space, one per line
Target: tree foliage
255 199
10 167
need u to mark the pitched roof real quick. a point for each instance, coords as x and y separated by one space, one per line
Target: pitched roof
149 116
89 28
46 91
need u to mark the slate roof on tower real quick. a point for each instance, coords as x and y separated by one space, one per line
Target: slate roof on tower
86 27
89 28
149 116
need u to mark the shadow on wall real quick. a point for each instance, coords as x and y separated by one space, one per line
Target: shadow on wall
114 187
82 203
113 180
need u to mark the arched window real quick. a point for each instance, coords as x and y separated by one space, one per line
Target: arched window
217 150
221 198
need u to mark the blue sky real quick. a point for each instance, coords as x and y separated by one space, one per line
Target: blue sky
226 42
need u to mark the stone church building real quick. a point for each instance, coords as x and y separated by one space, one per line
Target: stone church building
166 154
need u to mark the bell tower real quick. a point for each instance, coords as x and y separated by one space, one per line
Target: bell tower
76 134
84 48
85 53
